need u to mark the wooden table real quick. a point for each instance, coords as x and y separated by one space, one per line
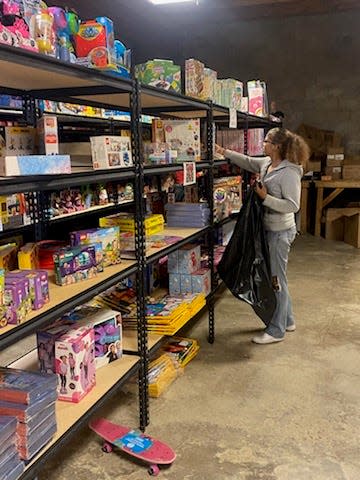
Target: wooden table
305 185
337 187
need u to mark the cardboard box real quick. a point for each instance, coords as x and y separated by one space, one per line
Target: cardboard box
352 230
17 141
107 325
351 172
335 222
75 363
34 165
334 172
314 166
47 128
194 78
184 137
111 152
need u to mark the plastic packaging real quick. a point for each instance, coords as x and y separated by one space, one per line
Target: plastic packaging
245 265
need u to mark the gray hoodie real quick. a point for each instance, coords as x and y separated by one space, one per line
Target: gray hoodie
283 185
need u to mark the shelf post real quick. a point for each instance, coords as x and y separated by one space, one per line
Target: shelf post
210 132
140 254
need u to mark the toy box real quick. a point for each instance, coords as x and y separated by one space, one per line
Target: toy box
111 152
108 238
227 197
160 73
8 256
2 285
17 141
153 223
210 77
75 363
96 34
28 257
255 139
157 131
173 262
15 302
258 103
189 258
47 128
45 340
194 78
185 284
201 281
174 283
231 92
23 283
34 165
159 153
107 327
75 264
38 286
184 137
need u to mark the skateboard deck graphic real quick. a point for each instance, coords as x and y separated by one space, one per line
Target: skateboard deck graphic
134 443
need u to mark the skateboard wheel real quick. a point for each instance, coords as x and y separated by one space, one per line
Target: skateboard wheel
154 470
107 448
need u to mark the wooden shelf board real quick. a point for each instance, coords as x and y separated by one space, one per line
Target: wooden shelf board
177 232
59 295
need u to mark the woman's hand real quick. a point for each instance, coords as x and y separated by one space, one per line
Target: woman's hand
219 150
261 190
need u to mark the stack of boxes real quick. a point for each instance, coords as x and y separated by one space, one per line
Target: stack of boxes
30 398
185 272
11 466
75 346
334 163
153 224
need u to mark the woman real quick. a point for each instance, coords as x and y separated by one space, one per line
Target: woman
280 173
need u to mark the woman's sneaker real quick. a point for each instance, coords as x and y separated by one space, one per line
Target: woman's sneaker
265 338
291 328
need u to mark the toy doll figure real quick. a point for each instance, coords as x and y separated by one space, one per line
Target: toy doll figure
72 364
86 361
112 355
42 32
63 369
42 353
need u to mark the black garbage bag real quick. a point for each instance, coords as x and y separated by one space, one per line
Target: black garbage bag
245 265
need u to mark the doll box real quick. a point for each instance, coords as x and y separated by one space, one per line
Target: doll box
45 340
34 165
189 258
201 281
75 363
107 326
111 152
174 284
185 284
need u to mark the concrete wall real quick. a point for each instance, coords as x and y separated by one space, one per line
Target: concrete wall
311 65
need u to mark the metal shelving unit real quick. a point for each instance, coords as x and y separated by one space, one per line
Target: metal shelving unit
34 76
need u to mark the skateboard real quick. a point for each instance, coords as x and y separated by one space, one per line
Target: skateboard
133 442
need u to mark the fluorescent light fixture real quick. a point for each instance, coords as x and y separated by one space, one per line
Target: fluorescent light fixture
166 2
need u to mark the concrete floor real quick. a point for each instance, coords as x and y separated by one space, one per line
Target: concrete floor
287 411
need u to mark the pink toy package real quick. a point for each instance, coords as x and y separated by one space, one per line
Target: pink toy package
75 363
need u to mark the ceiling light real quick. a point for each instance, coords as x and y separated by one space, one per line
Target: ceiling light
166 2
